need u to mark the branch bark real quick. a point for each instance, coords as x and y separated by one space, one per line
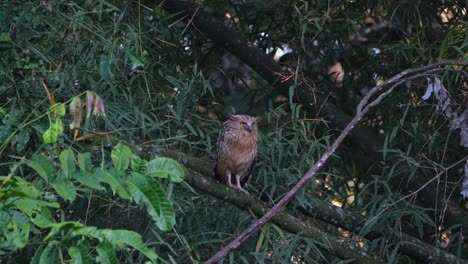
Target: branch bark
339 217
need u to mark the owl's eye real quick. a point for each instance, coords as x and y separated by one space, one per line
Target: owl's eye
243 124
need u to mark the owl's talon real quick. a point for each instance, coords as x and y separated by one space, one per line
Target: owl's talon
240 189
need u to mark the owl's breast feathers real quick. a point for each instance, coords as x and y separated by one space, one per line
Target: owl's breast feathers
236 155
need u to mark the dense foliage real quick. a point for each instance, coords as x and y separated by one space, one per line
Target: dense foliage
74 193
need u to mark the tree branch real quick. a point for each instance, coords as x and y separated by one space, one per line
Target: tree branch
323 211
363 108
236 43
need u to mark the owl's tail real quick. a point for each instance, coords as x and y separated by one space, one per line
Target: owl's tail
216 175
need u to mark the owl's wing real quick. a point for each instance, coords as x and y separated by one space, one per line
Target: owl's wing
219 149
247 179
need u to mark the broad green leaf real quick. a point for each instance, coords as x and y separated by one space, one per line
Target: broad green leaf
89 179
118 238
50 136
17 234
106 254
67 160
30 206
148 192
64 188
78 257
121 156
27 187
80 253
138 164
43 166
112 178
58 228
43 219
84 161
165 168
50 255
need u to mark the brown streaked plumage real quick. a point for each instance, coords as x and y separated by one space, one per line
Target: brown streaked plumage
236 151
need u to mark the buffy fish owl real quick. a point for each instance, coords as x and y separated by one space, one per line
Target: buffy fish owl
236 151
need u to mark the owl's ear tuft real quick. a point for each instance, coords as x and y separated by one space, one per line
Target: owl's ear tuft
229 116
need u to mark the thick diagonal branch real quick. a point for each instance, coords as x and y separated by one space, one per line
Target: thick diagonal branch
268 69
326 212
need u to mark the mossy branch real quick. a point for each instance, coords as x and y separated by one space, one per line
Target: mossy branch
198 174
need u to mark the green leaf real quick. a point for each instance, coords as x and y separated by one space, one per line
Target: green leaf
78 256
43 166
64 188
5 37
59 108
104 69
30 206
106 254
138 164
50 255
84 161
60 125
114 182
121 155
17 234
88 179
138 61
148 192
50 136
117 238
165 168
58 228
67 160
43 219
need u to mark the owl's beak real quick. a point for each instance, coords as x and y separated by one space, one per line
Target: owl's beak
249 128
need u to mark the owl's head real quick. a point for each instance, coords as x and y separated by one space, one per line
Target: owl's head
243 123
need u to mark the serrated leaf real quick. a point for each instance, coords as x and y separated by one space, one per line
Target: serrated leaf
165 168
121 156
148 192
64 188
113 181
67 160
138 164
